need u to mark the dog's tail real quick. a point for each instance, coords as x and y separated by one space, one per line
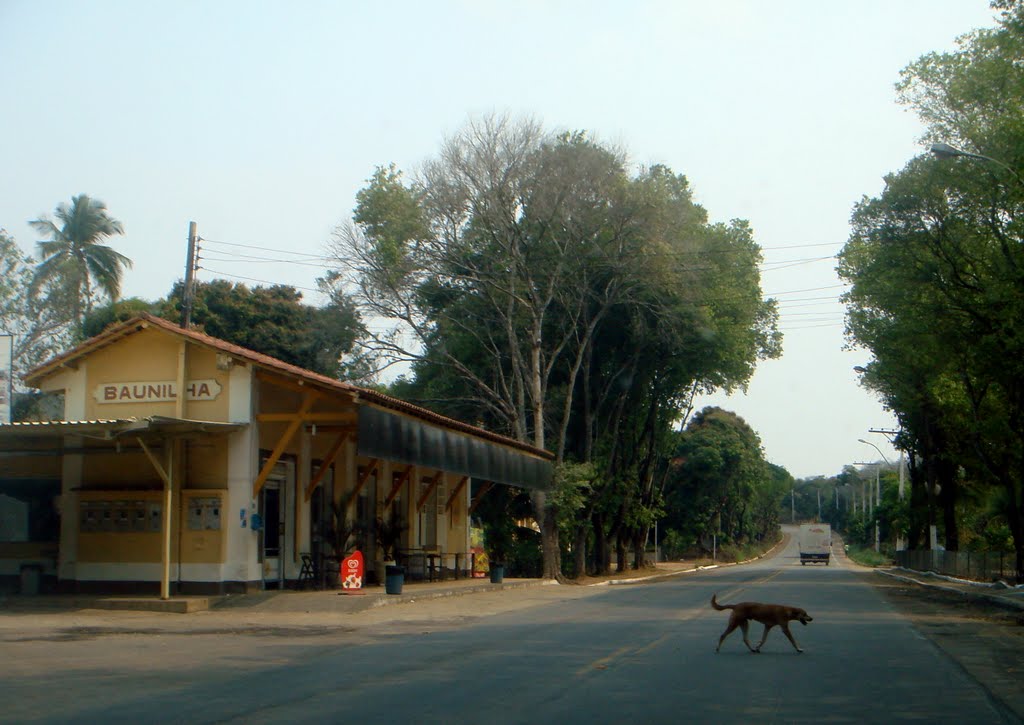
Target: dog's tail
718 606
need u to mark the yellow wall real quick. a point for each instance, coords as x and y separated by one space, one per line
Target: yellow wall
206 466
152 356
116 540
202 537
207 463
41 467
111 470
123 538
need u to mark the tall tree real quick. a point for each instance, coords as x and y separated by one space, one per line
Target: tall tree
274 321
937 265
507 259
75 257
720 483
40 323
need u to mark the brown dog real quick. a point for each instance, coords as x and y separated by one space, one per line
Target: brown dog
770 615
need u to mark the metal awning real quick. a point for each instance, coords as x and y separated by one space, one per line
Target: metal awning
39 429
115 429
387 435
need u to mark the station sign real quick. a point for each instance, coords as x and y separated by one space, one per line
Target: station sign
162 391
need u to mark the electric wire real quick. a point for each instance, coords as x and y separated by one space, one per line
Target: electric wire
226 254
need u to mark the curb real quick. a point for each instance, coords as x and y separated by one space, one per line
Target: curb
384 600
668 575
999 601
656 577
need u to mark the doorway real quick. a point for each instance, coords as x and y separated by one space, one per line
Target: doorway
273 510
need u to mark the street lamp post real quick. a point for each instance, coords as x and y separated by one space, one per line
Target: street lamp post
945 151
878 486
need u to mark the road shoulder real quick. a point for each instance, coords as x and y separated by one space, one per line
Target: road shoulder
985 640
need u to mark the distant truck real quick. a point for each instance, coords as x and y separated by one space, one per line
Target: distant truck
815 543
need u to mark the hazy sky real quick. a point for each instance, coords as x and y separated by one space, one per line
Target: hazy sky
260 121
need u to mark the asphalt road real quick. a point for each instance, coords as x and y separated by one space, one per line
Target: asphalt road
621 654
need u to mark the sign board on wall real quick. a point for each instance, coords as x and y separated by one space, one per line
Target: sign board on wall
6 377
155 392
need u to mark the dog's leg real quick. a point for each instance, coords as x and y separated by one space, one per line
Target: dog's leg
745 626
767 628
785 629
728 630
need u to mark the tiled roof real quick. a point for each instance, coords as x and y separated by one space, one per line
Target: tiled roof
365 395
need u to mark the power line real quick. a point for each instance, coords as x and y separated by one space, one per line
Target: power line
264 249
266 260
808 289
666 254
261 281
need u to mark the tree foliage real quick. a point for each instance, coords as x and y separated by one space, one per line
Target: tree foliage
540 288
41 323
75 258
274 321
719 482
936 264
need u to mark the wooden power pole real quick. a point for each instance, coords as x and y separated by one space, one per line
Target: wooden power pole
188 292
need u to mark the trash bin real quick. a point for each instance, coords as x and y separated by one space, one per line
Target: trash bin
31 576
497 573
394 577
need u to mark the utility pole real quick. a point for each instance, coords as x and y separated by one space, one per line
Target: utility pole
792 506
901 543
188 292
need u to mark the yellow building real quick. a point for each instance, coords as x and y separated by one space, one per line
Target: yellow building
236 484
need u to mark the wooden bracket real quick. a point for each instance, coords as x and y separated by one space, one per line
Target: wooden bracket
365 476
488 485
282 443
397 486
326 464
161 471
430 489
458 489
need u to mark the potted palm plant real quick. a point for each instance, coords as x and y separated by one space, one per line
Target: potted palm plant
341 535
388 531
498 546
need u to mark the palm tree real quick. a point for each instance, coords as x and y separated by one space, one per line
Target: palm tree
74 258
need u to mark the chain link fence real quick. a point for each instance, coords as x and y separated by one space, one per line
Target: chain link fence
984 566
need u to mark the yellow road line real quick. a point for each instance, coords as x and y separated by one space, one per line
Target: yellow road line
603 663
736 592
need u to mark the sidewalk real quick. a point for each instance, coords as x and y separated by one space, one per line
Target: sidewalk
329 600
285 613
310 601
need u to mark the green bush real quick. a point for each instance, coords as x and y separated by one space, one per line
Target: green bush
868 557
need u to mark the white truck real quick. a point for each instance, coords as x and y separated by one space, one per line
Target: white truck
815 543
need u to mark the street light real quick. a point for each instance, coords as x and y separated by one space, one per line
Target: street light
861 440
945 151
878 486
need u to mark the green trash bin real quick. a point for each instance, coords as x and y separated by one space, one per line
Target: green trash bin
394 577
31 576
497 573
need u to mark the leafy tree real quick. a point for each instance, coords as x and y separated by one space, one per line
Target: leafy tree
547 292
944 243
721 484
119 311
40 323
74 256
273 321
